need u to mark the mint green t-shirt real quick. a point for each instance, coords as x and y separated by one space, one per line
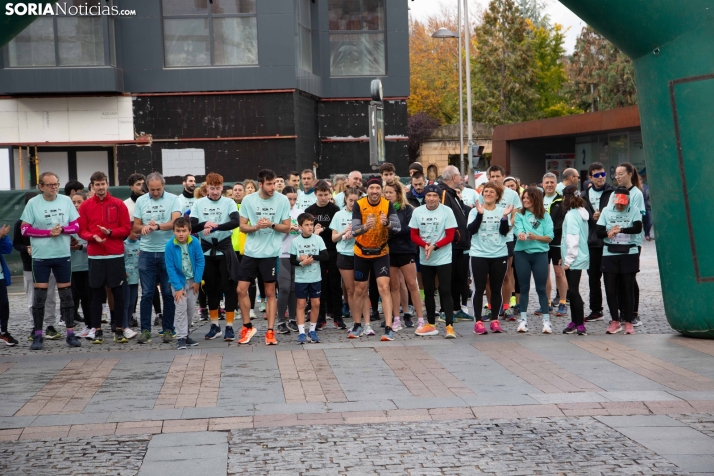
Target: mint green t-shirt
528 223
432 226
79 259
509 198
307 246
131 260
637 201
339 222
469 196
44 215
594 197
610 217
573 224
160 211
186 265
265 243
218 211
488 242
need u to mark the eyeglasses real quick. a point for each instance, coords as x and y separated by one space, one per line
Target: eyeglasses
600 174
51 185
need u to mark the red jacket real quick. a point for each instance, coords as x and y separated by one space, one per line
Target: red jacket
110 213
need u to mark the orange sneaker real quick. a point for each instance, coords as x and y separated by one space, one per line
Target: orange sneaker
427 330
270 338
246 334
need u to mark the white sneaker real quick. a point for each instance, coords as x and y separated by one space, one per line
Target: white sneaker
85 332
261 308
464 309
368 330
252 314
523 327
420 323
546 328
130 334
91 334
411 310
397 324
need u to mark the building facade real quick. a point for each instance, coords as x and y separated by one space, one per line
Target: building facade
200 86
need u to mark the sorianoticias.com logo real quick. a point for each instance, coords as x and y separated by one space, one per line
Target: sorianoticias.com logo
90 8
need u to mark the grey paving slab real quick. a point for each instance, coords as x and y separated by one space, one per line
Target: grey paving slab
487 399
184 467
446 402
675 440
639 396
693 395
250 377
194 438
16 422
217 412
638 420
179 454
665 347
576 397
286 408
76 419
188 452
363 406
143 415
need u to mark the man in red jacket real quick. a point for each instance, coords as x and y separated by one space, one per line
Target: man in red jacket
104 223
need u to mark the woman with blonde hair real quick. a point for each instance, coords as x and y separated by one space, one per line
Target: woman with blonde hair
250 186
201 191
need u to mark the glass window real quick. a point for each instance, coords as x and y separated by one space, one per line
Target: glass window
80 41
35 45
304 50
203 33
357 37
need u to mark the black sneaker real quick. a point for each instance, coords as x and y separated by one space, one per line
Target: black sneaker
339 323
98 337
594 317
72 341
292 325
133 323
51 333
321 324
204 314
408 321
8 339
283 328
190 342
37 342
158 320
636 322
180 344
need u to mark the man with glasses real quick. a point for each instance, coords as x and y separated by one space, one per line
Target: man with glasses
49 219
596 199
570 177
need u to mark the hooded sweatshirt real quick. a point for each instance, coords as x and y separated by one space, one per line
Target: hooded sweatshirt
574 245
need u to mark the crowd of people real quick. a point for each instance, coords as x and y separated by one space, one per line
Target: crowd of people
316 250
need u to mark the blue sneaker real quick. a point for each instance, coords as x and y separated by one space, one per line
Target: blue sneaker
460 315
562 310
313 337
345 310
302 339
214 332
539 312
486 316
355 332
229 335
388 336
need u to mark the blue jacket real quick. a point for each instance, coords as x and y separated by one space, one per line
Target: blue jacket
5 249
174 267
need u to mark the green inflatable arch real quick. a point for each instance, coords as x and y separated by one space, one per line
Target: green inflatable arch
672 45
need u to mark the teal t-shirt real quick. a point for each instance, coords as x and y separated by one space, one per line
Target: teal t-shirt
339 222
79 258
307 246
637 200
488 242
594 197
160 211
528 223
44 215
218 211
469 196
304 200
432 226
573 224
610 217
186 265
265 243
509 198
547 201
186 203
131 260
559 188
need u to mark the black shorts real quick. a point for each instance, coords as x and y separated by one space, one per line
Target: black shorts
303 290
622 264
345 262
106 272
554 255
365 266
251 267
397 261
60 267
511 245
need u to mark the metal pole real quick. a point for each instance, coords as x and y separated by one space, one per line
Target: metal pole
461 98
467 27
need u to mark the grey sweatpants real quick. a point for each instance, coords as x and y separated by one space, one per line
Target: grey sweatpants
286 290
50 304
184 309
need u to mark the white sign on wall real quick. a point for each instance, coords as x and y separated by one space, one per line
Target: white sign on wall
179 162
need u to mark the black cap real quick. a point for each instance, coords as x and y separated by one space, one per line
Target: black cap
431 188
374 181
417 166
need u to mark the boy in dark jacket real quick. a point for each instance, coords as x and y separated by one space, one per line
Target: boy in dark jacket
5 249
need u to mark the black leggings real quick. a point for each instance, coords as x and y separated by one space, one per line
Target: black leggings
4 306
495 270
577 314
619 289
82 294
374 294
157 301
219 284
99 295
459 276
428 277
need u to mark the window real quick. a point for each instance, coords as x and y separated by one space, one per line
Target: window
304 50
357 38
201 33
64 41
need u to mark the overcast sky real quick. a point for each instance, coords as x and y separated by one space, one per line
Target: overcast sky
557 11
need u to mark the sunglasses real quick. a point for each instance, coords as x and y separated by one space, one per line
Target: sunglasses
600 175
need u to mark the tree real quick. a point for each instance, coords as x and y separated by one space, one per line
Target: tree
533 11
505 65
601 76
420 126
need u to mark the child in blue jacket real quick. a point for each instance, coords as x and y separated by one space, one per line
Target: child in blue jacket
5 249
184 265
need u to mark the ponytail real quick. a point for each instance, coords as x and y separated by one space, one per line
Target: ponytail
636 182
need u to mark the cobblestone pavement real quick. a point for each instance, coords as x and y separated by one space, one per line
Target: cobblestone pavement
503 447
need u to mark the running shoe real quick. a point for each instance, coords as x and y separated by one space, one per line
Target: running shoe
302 339
462 315
261 307
119 338
90 334
570 329
229 335
31 337
636 322
345 310
283 328
252 315
292 325
397 324
72 341
221 314
321 324
496 327
420 323
614 327
508 314
383 324
167 337
158 320
180 344
427 330
517 309
339 323
479 328
442 316
133 322
213 332
388 336
450 334
539 312
355 332
594 317
582 331
547 329
562 310
522 326
270 338
486 315
8 339
190 342
411 310
145 337
555 302
37 341
368 330
629 328
85 332
98 337
408 321
52 334
512 301
130 334
246 334
312 337
204 314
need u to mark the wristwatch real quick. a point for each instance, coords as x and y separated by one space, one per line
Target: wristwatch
436 247
272 226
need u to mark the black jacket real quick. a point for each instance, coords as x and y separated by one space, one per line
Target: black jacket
448 197
400 242
413 201
593 240
20 243
557 215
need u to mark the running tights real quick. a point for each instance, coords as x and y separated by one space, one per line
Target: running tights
492 270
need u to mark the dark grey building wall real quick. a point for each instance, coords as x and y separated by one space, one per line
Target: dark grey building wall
528 156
